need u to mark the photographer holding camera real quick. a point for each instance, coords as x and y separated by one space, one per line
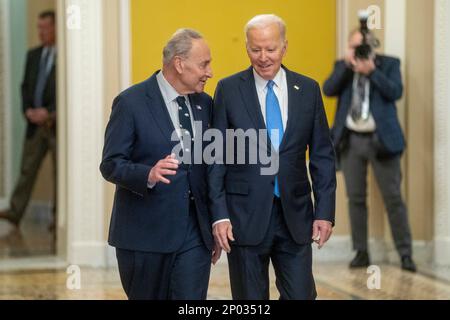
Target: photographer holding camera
367 130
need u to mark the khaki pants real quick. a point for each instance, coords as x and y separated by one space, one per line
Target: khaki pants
34 151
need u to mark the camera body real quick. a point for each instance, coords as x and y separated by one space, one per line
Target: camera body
365 50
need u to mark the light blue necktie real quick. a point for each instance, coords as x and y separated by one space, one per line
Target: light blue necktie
274 122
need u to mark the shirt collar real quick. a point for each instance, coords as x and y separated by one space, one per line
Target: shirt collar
262 83
167 90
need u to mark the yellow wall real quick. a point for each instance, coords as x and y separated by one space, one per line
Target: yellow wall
310 32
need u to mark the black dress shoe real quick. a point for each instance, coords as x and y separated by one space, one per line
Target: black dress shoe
408 264
360 260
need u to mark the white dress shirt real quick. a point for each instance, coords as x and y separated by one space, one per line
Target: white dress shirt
281 91
362 125
170 95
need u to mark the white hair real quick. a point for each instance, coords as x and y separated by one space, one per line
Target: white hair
180 44
264 20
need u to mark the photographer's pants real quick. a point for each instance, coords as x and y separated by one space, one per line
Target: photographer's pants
35 149
355 160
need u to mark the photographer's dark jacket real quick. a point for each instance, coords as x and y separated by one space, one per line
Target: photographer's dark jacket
385 88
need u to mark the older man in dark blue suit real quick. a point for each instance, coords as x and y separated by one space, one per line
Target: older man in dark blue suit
271 216
160 224
366 130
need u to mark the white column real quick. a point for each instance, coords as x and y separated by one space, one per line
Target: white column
395 42
395 28
395 45
342 30
442 133
84 133
5 101
125 44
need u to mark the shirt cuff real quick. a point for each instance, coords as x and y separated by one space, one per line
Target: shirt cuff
151 185
221 220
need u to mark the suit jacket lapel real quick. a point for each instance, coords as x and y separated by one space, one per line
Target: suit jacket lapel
250 97
195 107
295 93
159 109
198 114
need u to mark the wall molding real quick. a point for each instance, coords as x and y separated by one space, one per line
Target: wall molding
5 98
84 68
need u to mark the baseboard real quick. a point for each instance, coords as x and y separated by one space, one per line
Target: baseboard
100 254
339 249
442 251
33 263
88 253
111 259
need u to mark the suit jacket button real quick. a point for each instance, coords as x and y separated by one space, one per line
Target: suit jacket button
272 183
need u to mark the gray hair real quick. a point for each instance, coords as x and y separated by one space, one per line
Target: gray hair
179 44
264 20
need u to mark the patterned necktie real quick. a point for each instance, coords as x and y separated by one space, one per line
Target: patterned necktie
41 79
358 96
274 123
184 117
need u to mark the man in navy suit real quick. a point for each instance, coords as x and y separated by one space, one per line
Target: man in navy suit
258 217
160 224
39 109
366 130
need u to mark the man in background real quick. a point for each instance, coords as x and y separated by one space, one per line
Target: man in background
39 108
367 130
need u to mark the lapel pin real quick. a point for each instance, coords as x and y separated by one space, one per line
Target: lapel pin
198 107
296 87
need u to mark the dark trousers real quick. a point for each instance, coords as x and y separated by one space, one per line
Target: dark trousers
355 159
35 149
249 265
182 275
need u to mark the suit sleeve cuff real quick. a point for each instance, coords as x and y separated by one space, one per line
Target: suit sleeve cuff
219 221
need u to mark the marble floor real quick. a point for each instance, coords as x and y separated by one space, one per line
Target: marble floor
33 238
28 271
334 281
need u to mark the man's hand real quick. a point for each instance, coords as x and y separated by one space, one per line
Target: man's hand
322 230
29 113
216 253
38 116
222 232
364 66
164 167
349 57
41 116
